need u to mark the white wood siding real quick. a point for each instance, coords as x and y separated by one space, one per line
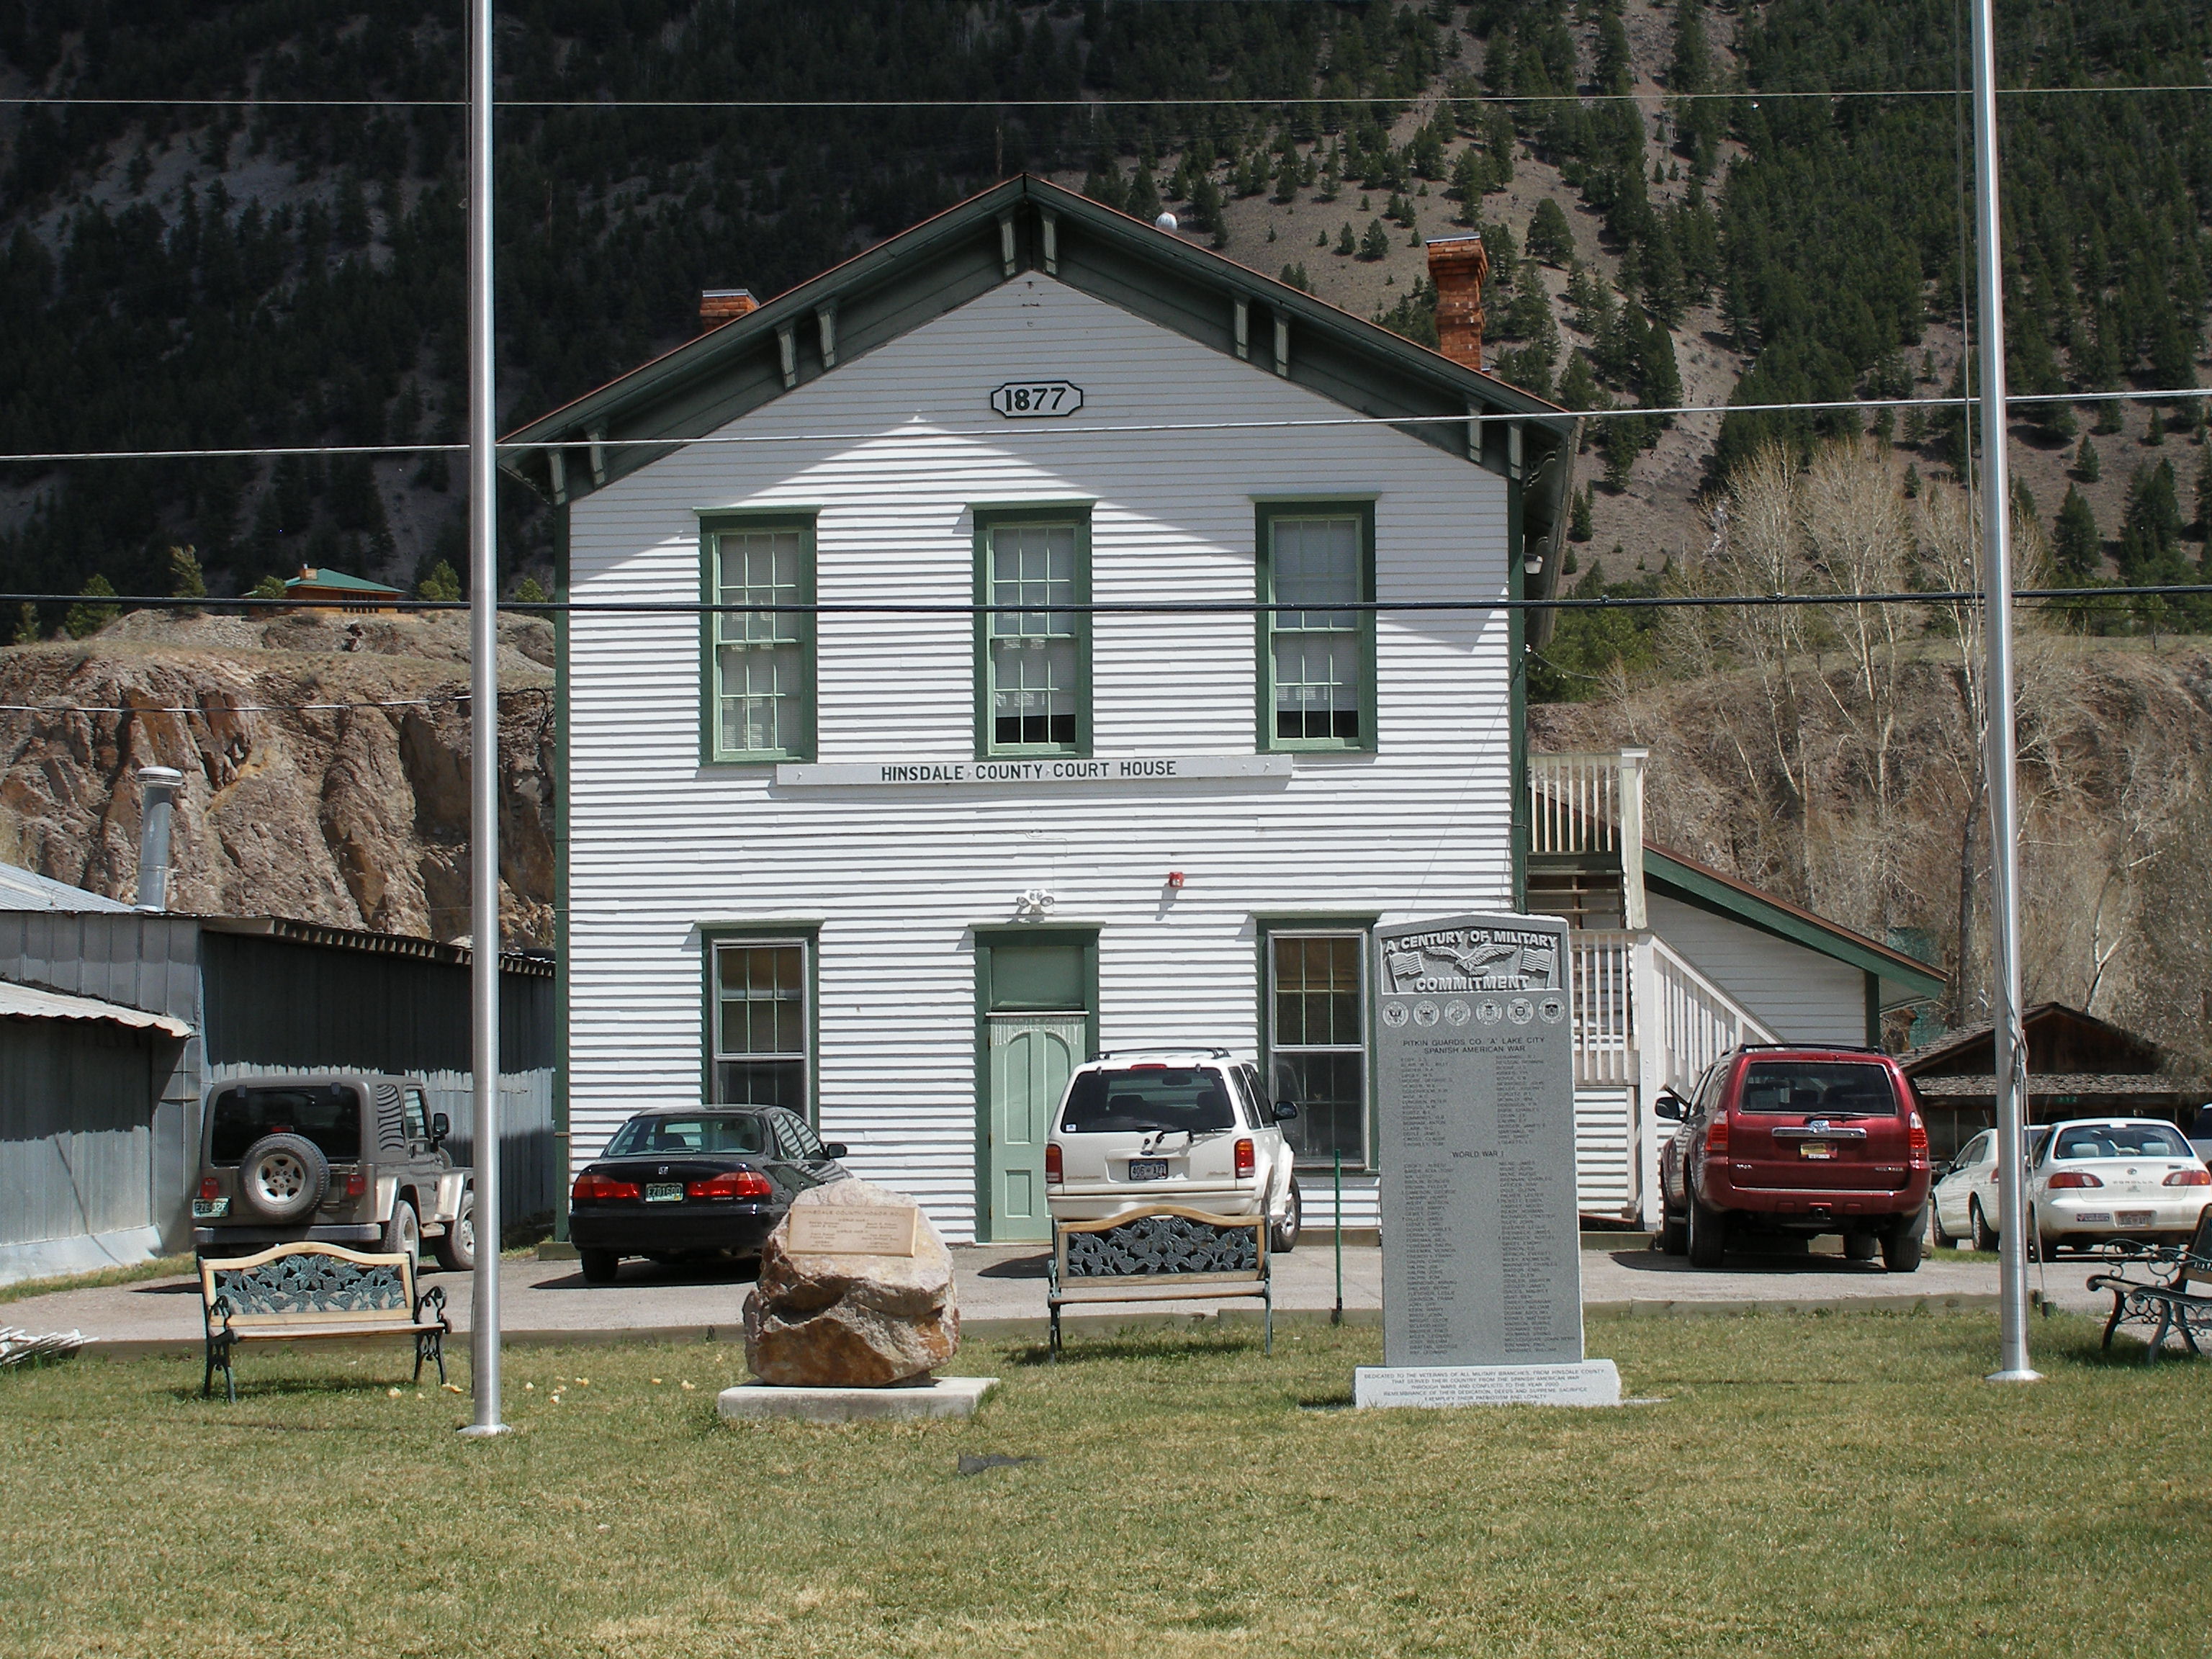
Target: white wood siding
885 449
1801 995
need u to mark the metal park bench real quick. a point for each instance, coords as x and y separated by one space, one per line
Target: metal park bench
2166 1303
304 1292
1163 1253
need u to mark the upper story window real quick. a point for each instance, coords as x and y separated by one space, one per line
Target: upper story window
759 669
1317 661
1033 666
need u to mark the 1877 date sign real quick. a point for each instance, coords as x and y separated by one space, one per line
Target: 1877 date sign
1475 1105
1031 400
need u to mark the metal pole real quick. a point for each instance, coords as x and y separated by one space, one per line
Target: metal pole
484 738
1997 750
1336 1315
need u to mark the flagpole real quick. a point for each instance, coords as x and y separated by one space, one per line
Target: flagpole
483 737
1998 744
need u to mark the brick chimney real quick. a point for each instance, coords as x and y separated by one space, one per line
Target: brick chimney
718 306
1458 266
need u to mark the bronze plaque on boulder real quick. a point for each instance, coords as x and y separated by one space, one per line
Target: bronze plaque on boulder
818 1231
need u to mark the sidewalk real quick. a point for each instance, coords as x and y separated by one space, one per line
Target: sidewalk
1001 1290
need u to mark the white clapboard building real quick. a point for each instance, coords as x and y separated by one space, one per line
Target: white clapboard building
848 845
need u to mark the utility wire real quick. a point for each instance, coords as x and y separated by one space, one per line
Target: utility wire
2176 394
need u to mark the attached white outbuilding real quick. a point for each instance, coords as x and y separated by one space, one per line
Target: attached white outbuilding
900 864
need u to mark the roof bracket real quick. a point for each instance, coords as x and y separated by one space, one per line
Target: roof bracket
1049 222
1243 329
1006 243
597 434
1282 344
557 468
826 323
786 348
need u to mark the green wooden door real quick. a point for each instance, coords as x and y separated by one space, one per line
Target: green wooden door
1031 1057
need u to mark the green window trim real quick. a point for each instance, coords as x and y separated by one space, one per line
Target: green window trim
1354 629
1064 731
713 937
1358 926
785 634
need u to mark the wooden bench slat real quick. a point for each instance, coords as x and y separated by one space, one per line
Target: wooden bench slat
1071 1285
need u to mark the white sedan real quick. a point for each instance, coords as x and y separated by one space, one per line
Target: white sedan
1964 1201
2099 1179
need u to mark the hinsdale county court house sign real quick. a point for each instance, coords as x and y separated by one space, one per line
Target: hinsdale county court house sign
1475 1116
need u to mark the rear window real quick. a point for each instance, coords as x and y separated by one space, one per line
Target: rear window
1105 1102
2121 1140
329 1115
1803 1087
642 1137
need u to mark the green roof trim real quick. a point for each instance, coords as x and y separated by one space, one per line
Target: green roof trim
1028 225
1677 877
326 577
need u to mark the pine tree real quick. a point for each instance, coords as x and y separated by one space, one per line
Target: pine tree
442 583
1376 244
1551 238
26 623
85 619
1345 244
2086 465
1577 386
1578 516
2074 541
2204 494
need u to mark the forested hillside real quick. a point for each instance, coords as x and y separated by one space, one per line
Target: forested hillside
1673 223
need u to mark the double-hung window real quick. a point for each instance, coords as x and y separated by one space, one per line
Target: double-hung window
759 670
1316 658
1033 661
761 1041
1317 1040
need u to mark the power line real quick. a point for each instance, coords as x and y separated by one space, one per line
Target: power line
2175 394
1656 96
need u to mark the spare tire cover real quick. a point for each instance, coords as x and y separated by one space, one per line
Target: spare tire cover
283 1177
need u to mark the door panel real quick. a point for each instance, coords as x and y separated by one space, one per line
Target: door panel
1031 1057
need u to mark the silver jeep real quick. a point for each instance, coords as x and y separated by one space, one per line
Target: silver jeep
339 1160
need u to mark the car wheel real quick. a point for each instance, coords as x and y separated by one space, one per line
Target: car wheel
1707 1240
283 1177
1936 1222
2037 1249
1861 1247
1674 1233
1902 1244
402 1234
1283 1236
599 1267
457 1250
1984 1237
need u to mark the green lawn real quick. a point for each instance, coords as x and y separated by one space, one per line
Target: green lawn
1808 1485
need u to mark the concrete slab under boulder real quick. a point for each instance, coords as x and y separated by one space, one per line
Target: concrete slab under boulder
942 1396
855 1292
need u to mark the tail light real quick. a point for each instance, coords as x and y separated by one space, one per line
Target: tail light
210 1188
356 1184
1248 1159
592 1187
731 1184
1717 1134
1053 1176
2190 1178
2073 1181
1916 1138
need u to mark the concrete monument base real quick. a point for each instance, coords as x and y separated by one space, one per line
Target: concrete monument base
1588 1382
941 1396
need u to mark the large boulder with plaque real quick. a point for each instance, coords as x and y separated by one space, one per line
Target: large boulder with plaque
1475 1120
855 1290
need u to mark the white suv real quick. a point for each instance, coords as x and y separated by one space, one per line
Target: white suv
1172 1126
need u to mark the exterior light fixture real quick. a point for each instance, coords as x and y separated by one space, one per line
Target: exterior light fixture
1174 881
1033 903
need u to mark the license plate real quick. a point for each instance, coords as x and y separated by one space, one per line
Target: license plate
209 1209
1148 1168
2135 1219
663 1192
1816 1149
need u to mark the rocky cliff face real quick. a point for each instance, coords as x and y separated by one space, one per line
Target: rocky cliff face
326 763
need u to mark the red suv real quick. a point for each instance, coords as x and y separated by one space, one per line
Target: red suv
1797 1140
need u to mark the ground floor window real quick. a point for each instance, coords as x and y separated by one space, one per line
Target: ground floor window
1317 1040
761 1024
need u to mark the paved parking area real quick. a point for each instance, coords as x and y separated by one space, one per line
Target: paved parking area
1002 1288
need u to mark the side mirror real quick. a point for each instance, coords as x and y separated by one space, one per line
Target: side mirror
834 1149
1670 1106
440 1126
1285 1110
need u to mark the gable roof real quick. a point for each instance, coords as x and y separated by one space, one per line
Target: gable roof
27 889
2060 1039
1029 224
317 578
1904 979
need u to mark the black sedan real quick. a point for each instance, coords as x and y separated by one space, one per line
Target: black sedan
694 1184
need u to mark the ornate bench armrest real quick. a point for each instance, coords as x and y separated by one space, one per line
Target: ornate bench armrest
432 1297
221 1310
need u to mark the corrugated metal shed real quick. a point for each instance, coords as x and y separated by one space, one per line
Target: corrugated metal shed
27 889
28 1002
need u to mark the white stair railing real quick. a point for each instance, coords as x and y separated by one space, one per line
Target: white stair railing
1604 965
